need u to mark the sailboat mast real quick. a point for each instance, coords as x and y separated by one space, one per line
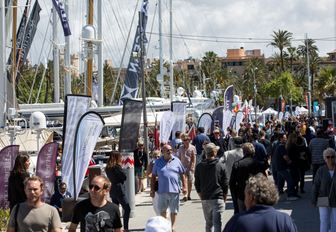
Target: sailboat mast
67 79
55 58
2 65
100 54
90 56
14 26
160 52
171 69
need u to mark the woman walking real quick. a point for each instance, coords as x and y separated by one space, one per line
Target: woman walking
324 188
117 177
16 178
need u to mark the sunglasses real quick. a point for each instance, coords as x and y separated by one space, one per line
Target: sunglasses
330 157
95 187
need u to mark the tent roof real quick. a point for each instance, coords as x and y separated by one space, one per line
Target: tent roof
270 111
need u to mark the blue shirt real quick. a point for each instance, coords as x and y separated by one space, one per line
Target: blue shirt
168 173
198 142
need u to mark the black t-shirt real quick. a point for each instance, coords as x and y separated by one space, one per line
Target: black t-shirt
94 219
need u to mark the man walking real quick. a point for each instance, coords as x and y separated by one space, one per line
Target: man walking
187 155
198 142
211 184
241 171
96 213
33 214
169 170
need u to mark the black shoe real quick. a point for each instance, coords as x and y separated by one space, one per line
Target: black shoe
189 198
184 199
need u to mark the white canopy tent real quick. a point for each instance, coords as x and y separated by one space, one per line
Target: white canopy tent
270 111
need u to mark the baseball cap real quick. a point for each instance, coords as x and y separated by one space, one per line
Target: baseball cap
158 224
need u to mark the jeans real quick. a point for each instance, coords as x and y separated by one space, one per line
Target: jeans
213 213
327 219
122 200
284 174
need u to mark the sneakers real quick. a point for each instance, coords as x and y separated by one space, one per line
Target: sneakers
184 199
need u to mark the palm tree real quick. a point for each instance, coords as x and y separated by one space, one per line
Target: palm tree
293 56
281 40
314 60
325 85
211 68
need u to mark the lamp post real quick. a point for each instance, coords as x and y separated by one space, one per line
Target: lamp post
255 94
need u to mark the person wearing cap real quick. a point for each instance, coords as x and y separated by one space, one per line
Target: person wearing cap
241 171
169 171
158 224
187 155
211 184
218 140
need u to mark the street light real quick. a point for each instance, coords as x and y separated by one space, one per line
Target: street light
255 94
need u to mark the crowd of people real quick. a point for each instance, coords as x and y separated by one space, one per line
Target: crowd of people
254 163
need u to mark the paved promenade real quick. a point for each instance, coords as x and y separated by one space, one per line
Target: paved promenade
190 218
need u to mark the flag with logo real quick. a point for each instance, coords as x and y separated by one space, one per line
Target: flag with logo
130 125
46 168
130 88
75 107
7 160
228 97
63 17
88 130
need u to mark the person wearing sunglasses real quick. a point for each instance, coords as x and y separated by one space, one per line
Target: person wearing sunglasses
324 185
96 213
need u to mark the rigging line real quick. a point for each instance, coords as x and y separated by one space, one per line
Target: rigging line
118 23
123 56
43 76
115 41
39 59
238 38
152 26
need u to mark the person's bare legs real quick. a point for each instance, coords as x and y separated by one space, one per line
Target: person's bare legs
189 188
173 219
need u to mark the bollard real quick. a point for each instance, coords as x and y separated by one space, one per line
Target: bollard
127 161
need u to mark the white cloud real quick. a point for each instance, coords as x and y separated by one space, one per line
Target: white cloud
255 19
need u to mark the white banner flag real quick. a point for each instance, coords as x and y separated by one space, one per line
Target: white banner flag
239 119
227 117
166 126
179 109
75 107
205 121
89 128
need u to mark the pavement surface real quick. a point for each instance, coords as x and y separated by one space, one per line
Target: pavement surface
190 217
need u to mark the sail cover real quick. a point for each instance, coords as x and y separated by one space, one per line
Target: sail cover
130 88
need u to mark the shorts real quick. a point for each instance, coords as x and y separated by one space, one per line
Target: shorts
169 201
